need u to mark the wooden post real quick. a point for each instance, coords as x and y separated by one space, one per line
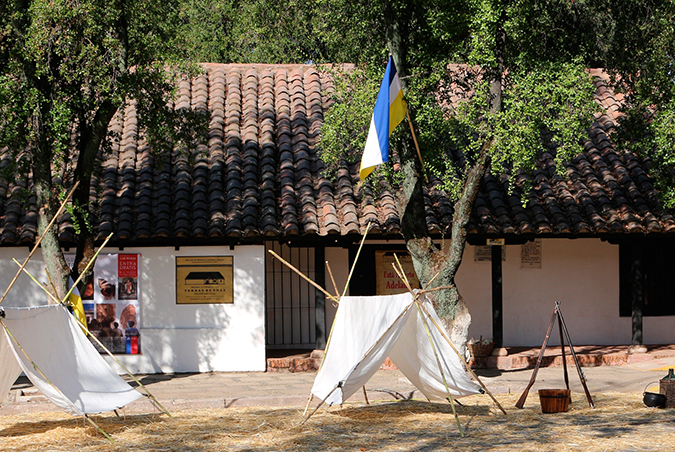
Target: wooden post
497 296
320 299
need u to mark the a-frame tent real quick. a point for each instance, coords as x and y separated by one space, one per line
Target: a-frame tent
368 329
48 345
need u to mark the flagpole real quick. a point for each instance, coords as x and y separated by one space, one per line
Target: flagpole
417 146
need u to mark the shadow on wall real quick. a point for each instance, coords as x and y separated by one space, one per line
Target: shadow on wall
204 337
25 291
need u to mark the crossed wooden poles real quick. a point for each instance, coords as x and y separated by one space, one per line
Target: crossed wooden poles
65 302
424 314
557 314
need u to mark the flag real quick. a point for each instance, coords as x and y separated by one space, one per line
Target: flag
76 303
389 111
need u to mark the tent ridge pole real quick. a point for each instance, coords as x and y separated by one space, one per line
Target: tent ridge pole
356 259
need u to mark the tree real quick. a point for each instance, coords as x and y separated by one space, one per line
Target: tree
641 62
523 88
518 66
66 67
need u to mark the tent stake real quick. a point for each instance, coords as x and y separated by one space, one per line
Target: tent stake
37 244
319 405
365 396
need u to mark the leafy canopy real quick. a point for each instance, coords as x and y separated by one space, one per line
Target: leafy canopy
66 66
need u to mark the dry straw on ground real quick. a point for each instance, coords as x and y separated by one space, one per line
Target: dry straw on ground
619 422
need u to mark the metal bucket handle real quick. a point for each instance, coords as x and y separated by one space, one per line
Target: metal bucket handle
645 390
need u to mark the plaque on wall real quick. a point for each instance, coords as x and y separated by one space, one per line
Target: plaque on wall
483 253
530 254
204 279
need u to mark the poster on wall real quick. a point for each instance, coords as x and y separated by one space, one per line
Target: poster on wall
388 282
204 279
112 302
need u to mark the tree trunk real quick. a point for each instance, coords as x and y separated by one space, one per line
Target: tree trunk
46 200
429 262
91 137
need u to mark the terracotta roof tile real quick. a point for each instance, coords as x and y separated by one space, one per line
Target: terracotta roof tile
258 175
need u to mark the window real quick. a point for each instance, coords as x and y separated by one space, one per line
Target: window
647 274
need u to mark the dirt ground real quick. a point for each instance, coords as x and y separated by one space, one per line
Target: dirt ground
620 421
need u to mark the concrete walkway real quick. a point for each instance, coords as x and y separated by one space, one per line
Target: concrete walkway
277 389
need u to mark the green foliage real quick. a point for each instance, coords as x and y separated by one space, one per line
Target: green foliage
642 64
66 66
344 132
547 98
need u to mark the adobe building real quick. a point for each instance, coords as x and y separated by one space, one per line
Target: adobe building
189 265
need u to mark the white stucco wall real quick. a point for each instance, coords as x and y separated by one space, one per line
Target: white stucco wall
336 258
178 338
582 274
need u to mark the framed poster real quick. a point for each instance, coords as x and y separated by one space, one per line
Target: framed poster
112 302
204 279
388 282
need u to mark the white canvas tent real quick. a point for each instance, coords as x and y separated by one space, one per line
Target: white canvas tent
47 344
368 329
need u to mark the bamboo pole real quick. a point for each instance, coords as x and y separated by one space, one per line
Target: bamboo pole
447 339
87 267
99 429
37 368
108 352
435 289
432 280
37 244
339 385
319 406
356 259
344 292
330 273
309 400
440 330
302 275
401 274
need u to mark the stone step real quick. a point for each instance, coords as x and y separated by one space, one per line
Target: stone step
511 358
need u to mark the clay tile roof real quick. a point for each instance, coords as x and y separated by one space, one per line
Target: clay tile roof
259 176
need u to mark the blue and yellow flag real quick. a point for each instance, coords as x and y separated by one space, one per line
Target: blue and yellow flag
76 303
389 111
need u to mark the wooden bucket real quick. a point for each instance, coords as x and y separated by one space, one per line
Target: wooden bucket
554 400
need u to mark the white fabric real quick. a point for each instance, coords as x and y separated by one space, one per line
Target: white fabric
52 339
9 368
414 356
368 329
